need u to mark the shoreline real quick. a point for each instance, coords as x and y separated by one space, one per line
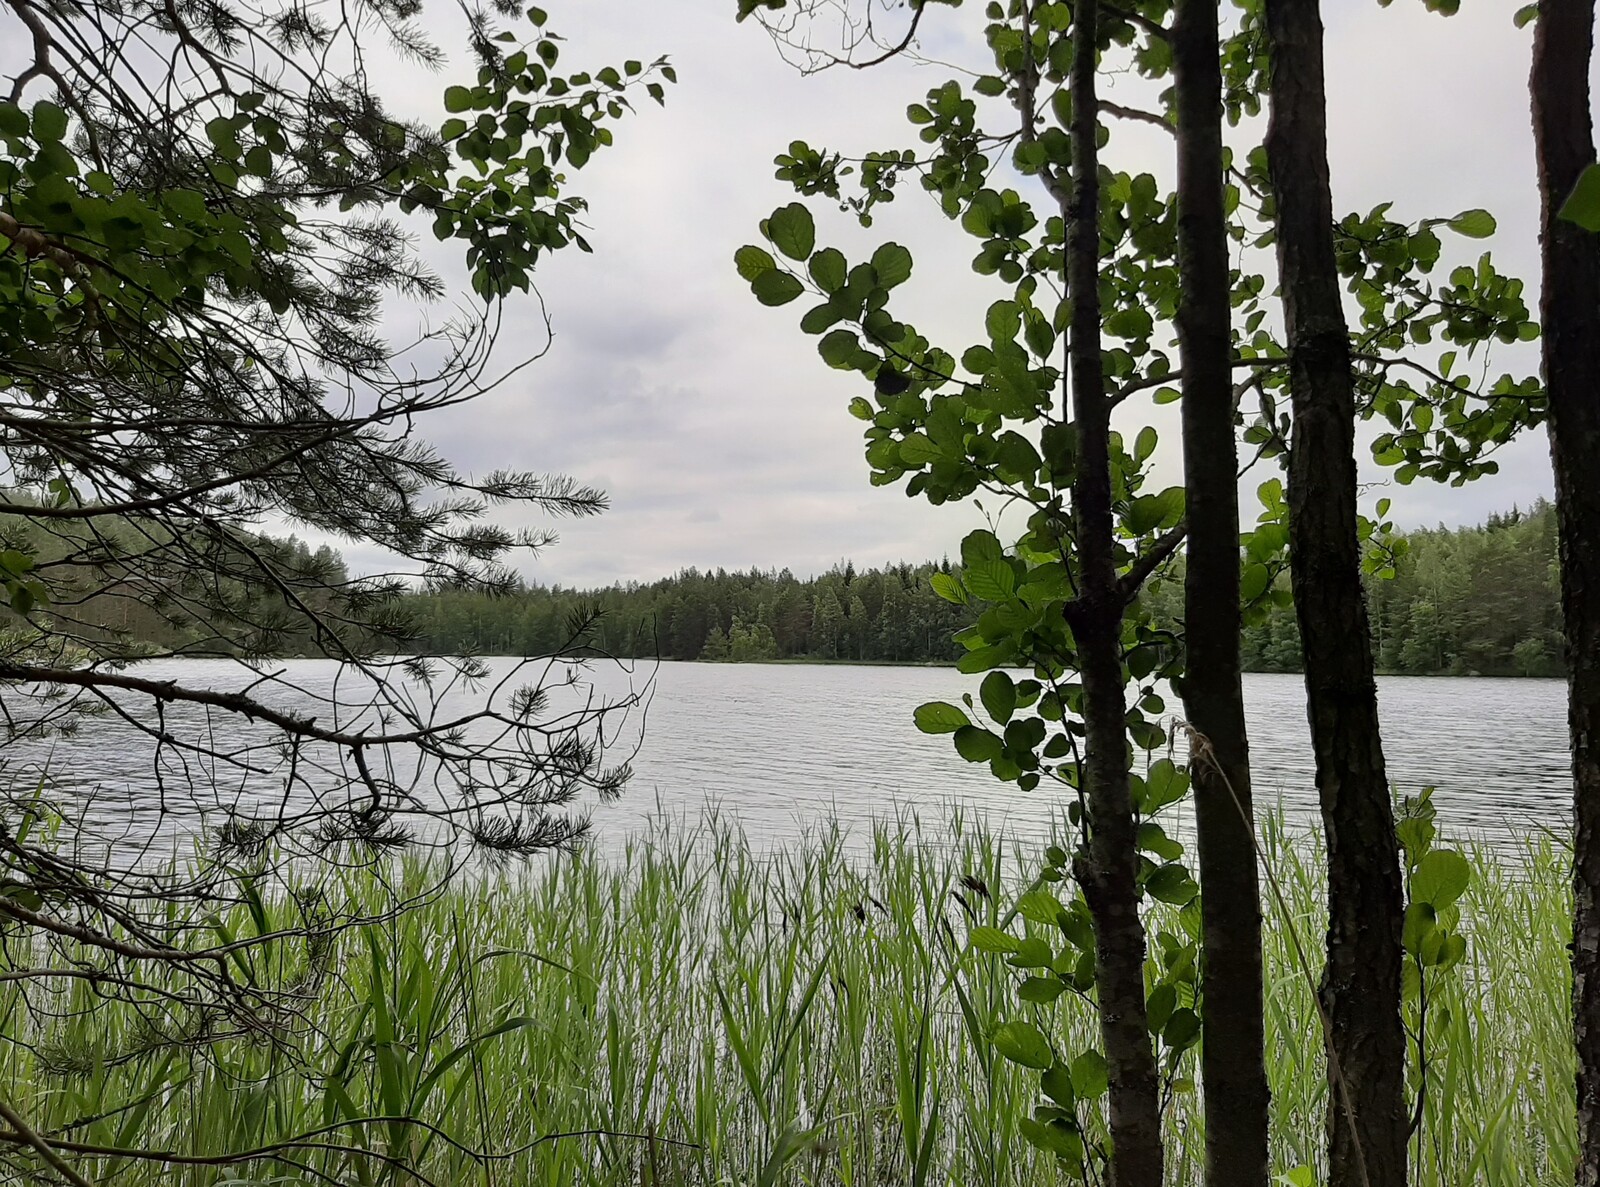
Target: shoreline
823 662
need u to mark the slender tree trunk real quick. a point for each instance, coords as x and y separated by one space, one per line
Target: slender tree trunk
1109 878
1570 309
1367 1124
1232 1057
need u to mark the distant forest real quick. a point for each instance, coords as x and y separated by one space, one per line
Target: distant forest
1479 600
128 586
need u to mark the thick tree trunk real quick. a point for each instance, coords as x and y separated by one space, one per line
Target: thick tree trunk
1367 1124
1109 877
1570 309
1232 1057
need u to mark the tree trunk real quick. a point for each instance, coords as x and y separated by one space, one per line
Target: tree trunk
1109 877
1367 1124
1570 309
1232 1058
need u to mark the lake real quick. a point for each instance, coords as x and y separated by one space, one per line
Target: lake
779 746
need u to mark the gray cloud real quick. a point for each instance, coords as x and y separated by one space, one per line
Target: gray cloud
721 438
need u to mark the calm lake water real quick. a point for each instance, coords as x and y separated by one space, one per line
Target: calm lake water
779 747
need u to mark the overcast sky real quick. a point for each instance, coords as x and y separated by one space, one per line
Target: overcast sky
710 420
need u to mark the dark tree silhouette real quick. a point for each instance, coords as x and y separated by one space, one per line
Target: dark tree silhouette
1563 126
1233 1052
1361 981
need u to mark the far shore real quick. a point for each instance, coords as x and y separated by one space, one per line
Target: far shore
823 661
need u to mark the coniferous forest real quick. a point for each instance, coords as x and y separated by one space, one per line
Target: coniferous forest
1479 600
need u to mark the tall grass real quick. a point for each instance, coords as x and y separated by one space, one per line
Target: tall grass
694 1011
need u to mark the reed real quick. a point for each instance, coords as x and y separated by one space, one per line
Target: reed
690 1009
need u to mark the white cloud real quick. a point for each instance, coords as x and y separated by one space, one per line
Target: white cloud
721 438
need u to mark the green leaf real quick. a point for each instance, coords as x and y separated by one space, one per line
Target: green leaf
1182 1029
1129 323
991 580
1583 204
947 586
1474 224
1017 454
939 717
819 317
838 348
1432 947
1171 884
185 204
776 288
1032 953
13 120
1041 338
752 261
1040 906
978 546
1451 951
1090 1078
828 269
1152 838
978 359
792 231
457 100
978 745
1003 321
1041 991
999 697
1158 1007
1415 836
992 939
917 450
1253 582
22 894
49 123
892 263
223 137
862 410
1022 1042
1440 878
1420 922
15 563
1144 515
1055 1136
1057 1085
984 658
890 382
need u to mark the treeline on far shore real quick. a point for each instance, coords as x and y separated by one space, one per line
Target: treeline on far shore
1477 600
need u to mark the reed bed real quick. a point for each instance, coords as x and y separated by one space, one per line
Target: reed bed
690 1009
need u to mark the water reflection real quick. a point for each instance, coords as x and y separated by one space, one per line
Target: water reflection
778 746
